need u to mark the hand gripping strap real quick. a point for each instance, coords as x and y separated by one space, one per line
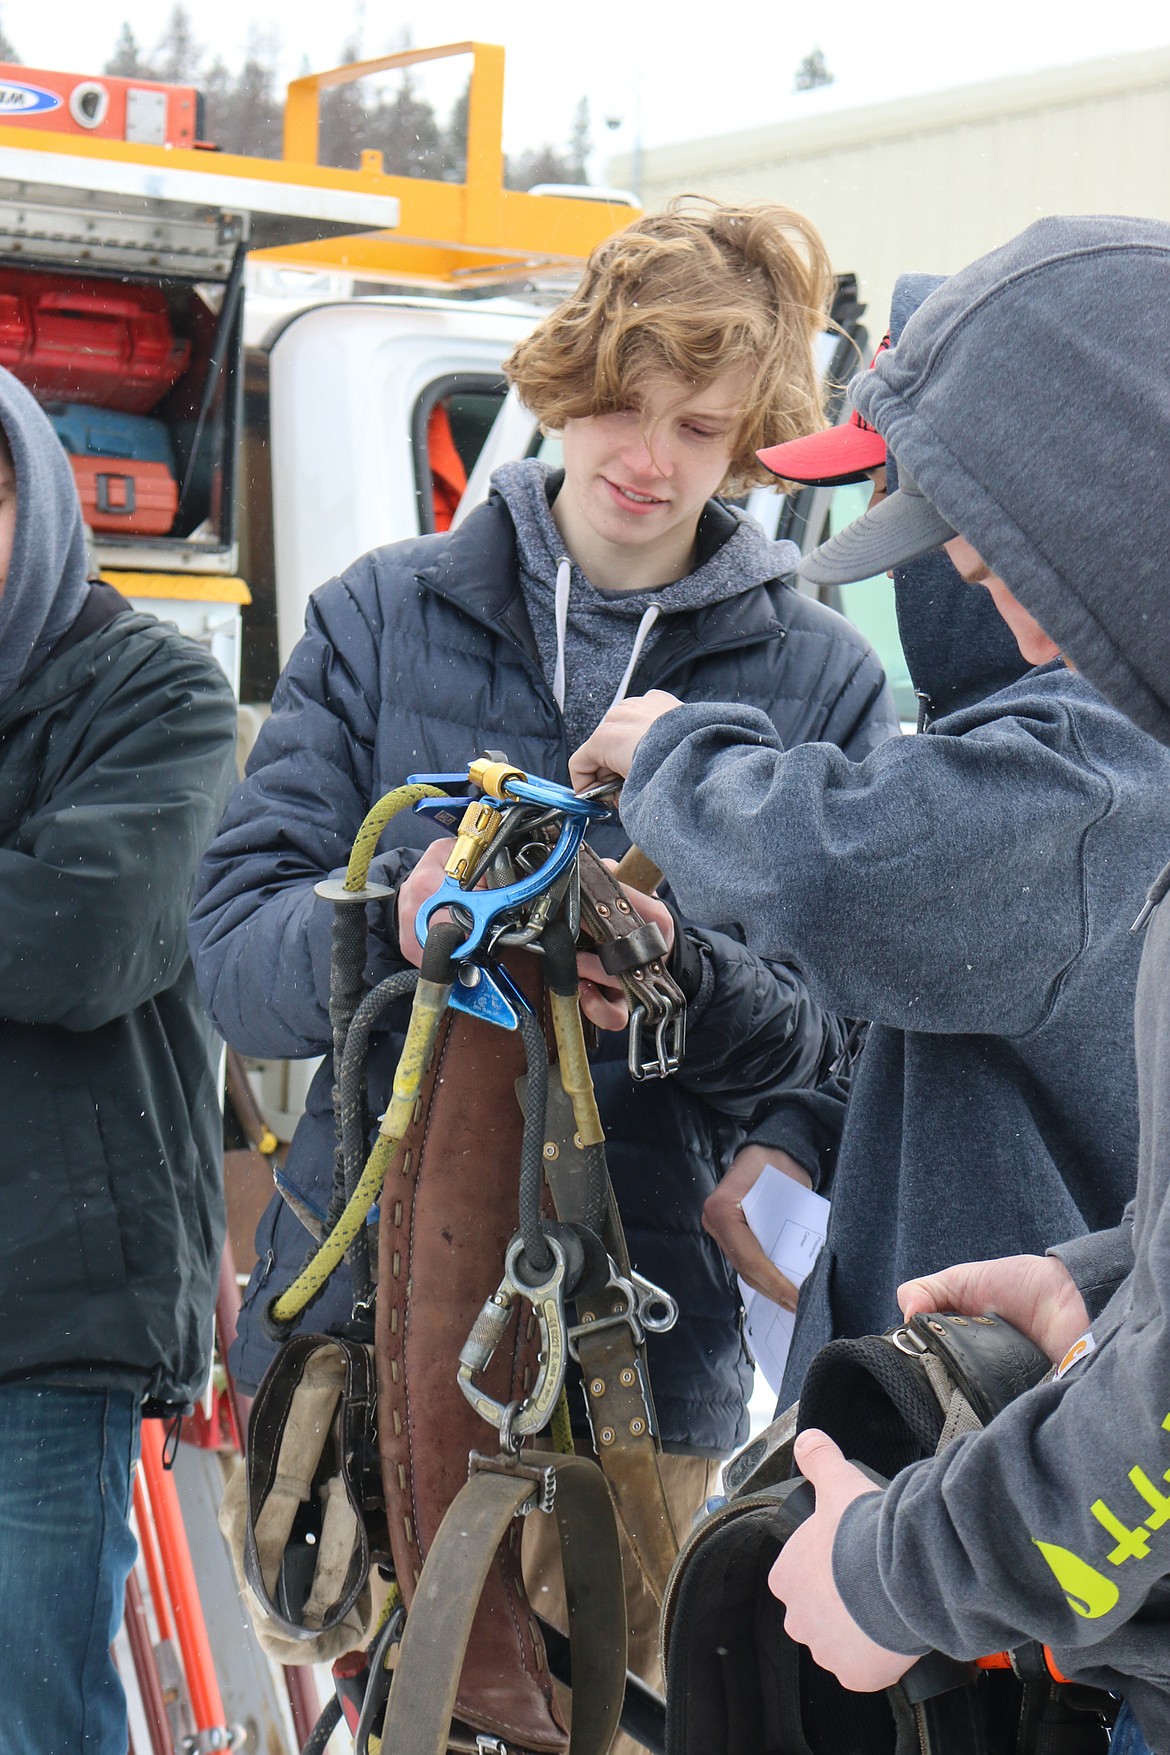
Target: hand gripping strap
422 1697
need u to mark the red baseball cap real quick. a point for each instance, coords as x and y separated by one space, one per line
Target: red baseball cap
832 457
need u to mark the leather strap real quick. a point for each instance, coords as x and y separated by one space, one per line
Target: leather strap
617 1384
310 1444
616 1397
422 1698
635 952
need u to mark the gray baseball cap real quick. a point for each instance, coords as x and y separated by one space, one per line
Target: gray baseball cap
893 533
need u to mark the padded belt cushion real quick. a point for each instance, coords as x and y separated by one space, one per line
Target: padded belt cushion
735 1683
872 1400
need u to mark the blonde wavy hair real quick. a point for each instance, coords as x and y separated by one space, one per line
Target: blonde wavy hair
698 290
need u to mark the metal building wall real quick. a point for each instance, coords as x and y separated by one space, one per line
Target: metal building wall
930 182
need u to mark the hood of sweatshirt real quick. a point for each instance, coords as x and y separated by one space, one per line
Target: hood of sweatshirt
1028 397
590 641
46 583
959 650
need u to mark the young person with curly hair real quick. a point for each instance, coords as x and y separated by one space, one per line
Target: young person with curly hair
688 342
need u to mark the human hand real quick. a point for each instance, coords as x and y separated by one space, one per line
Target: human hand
802 1577
723 1219
413 891
1036 1293
603 999
609 752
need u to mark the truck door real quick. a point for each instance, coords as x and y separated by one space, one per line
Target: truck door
379 408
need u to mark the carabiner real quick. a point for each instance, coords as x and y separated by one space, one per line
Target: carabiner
547 1298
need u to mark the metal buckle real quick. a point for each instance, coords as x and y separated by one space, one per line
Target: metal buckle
543 1479
669 1044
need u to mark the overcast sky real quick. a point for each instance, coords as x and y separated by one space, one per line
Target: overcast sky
676 68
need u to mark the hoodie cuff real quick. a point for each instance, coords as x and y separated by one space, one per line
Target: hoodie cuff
857 1576
666 733
1099 1262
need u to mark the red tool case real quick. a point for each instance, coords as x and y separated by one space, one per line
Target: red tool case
126 497
96 341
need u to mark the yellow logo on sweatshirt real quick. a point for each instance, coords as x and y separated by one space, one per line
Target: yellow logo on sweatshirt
1089 1592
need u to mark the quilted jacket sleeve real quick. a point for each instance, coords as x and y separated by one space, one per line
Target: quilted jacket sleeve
94 893
259 934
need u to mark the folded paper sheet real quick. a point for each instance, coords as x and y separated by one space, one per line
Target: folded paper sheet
790 1222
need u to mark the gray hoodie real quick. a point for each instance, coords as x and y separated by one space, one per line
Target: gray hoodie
1044 364
47 571
577 625
952 1554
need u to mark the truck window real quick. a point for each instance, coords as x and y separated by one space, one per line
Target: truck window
452 418
869 604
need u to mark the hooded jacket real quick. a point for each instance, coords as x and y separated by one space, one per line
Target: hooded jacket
970 891
1054 1524
418 657
1081 1465
117 742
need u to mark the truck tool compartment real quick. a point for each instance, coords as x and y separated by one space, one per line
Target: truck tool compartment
105 342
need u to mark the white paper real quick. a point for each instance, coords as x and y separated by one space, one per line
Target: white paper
791 1223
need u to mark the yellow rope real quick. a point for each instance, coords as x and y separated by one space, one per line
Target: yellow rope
560 1426
313 1276
368 836
573 1060
425 1017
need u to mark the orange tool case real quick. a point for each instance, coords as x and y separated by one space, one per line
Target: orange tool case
126 497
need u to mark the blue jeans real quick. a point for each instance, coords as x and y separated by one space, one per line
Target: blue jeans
1127 1737
66 1466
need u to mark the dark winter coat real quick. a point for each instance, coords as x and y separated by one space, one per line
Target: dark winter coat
417 658
117 745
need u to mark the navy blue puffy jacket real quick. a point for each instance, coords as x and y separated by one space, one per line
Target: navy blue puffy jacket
417 658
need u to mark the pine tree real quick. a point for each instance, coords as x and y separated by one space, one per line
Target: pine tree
7 52
812 72
178 54
343 125
127 61
243 111
541 164
580 142
409 134
455 138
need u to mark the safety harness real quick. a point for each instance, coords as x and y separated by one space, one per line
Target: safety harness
736 1684
500 1256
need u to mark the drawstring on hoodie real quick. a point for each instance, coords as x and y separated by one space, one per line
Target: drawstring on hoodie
1155 894
561 611
561 614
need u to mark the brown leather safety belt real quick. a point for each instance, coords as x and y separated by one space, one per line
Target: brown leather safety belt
448 1209
430 1659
